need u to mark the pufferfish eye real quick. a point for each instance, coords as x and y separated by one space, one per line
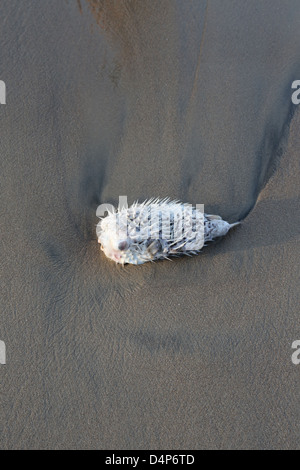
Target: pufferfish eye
123 245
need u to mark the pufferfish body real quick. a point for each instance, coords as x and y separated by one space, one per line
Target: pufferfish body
157 229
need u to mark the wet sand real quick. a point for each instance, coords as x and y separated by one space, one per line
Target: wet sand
190 100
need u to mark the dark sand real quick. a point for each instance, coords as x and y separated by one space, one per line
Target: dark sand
190 100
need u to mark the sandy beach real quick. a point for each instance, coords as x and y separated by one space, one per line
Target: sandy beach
185 99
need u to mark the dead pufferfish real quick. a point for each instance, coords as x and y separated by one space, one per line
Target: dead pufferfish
157 229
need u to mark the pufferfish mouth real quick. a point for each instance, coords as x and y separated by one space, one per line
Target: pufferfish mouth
116 256
113 255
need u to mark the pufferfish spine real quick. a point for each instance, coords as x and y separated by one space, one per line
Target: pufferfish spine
157 229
